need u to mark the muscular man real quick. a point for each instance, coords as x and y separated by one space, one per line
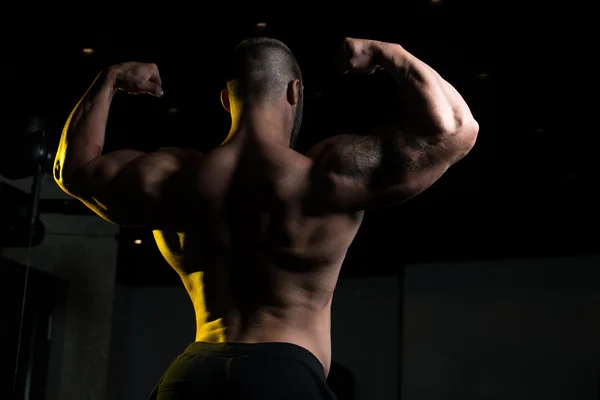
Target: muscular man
256 231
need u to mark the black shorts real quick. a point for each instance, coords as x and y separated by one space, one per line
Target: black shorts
265 371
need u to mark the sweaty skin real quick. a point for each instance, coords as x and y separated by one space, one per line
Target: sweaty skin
256 231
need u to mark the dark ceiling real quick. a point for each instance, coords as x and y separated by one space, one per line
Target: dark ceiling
523 191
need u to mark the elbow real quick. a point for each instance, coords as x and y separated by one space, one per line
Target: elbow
59 174
461 140
468 130
65 179
463 122
466 137
464 127
456 122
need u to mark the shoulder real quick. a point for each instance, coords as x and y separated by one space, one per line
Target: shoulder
180 153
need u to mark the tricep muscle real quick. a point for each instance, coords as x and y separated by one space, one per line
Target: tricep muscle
352 172
135 189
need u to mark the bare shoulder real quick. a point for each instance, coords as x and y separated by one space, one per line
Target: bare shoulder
181 153
327 160
197 162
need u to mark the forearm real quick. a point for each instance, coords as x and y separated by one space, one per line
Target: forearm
82 138
431 105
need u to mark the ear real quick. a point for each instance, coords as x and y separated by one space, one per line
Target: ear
225 100
293 91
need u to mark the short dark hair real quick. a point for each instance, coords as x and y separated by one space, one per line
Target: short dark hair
260 68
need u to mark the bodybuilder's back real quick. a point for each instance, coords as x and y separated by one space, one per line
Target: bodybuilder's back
263 247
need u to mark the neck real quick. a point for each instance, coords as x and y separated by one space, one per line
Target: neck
261 123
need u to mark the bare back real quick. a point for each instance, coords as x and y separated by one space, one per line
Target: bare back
263 262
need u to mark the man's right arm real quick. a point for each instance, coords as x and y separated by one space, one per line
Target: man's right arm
400 159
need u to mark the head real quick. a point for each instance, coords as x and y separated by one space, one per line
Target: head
264 72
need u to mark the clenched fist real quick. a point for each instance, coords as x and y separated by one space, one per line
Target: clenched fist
137 78
359 55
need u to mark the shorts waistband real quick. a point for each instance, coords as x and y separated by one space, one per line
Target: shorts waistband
269 349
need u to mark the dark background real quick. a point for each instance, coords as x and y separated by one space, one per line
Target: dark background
523 326
526 190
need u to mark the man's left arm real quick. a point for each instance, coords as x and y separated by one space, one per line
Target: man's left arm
126 187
